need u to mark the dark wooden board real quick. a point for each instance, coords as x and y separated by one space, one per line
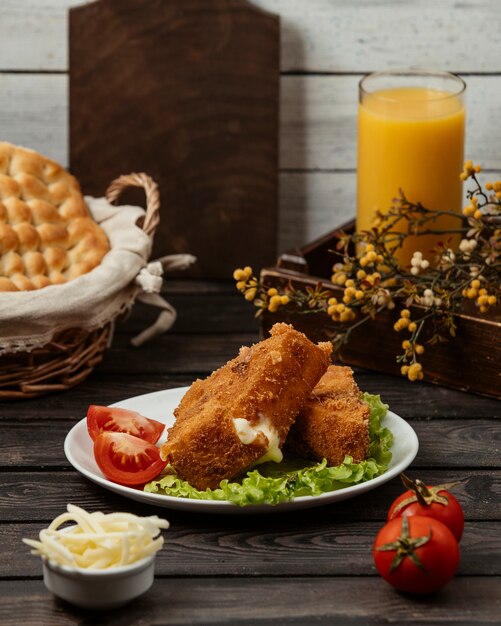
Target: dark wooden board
186 90
39 496
266 602
235 313
313 547
449 444
303 567
434 402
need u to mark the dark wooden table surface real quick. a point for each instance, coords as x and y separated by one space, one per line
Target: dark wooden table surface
305 567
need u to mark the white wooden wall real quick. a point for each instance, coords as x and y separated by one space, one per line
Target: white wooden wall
327 45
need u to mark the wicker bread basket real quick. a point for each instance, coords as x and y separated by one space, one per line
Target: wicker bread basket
72 354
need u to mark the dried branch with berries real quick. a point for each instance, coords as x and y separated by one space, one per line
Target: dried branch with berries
448 280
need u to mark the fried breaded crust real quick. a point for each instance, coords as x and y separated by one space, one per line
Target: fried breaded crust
270 380
334 421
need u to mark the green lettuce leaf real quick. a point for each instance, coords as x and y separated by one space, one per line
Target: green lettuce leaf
272 483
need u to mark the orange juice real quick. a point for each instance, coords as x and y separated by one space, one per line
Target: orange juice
410 138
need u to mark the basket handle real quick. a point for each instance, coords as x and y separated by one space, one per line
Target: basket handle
152 217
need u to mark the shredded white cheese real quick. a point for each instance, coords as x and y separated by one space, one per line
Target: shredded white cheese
97 540
248 432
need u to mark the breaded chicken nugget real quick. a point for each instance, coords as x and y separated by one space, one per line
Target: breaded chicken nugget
242 413
334 421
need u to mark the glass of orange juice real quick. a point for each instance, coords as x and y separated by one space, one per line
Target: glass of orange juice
410 138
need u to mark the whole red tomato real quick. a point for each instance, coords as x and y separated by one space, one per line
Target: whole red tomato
416 554
425 500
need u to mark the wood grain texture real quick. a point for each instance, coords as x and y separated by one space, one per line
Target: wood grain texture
211 601
306 547
188 92
319 121
317 141
451 444
318 118
368 35
213 567
331 36
435 402
34 112
33 496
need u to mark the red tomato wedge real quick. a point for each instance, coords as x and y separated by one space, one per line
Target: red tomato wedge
112 419
127 460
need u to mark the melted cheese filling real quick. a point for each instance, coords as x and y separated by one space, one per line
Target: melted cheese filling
248 432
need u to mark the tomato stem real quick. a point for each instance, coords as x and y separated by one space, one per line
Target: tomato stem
406 545
422 493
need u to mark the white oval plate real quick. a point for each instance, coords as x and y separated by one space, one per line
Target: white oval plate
160 406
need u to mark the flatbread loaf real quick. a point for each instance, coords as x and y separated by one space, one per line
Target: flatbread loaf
47 235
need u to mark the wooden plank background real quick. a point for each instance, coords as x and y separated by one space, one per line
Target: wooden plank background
327 45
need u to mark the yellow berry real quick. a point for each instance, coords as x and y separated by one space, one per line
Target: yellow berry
405 313
272 291
419 349
349 283
340 278
478 214
406 344
361 274
238 274
363 261
492 300
284 299
475 283
412 327
332 301
250 294
359 295
414 372
401 324
404 369
241 284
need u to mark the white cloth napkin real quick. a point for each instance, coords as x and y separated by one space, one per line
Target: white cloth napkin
30 319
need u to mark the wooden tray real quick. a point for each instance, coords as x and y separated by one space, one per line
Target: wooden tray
470 362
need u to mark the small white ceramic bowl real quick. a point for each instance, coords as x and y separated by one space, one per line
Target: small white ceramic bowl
99 589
